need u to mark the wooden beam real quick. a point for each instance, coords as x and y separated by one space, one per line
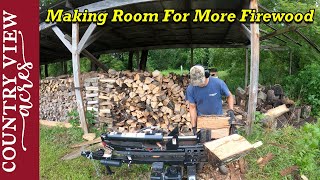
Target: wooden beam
60 35
288 37
246 31
254 70
76 76
98 6
308 40
267 10
266 32
280 31
86 36
247 69
91 57
94 37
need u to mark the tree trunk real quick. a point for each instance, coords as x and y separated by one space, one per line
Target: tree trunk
130 62
46 70
143 61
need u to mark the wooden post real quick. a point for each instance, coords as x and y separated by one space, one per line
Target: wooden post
46 74
65 67
94 67
254 70
143 61
191 61
290 65
130 62
138 60
76 76
247 69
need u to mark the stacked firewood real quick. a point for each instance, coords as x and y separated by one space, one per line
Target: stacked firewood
278 109
57 98
134 100
91 86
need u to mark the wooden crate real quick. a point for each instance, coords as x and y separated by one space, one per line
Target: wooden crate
228 149
219 125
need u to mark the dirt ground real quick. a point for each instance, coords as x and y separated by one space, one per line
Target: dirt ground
212 173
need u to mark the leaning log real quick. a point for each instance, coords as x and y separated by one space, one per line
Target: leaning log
270 116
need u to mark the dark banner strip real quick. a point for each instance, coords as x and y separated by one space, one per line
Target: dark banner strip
19 89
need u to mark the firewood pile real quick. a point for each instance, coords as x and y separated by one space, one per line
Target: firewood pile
278 108
127 101
124 101
57 97
131 100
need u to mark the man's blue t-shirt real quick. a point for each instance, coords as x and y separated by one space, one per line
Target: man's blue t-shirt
208 98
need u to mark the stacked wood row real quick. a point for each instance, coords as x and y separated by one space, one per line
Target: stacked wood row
133 100
272 100
91 86
57 98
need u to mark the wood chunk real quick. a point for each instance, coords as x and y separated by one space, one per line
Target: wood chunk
77 153
243 165
219 133
233 175
55 123
227 148
92 88
212 122
108 80
97 140
89 136
156 73
262 162
288 170
148 80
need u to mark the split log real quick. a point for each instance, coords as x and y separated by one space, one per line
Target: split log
95 141
263 161
270 116
77 153
227 149
55 123
288 170
89 136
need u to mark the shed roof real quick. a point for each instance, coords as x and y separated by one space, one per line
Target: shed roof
136 36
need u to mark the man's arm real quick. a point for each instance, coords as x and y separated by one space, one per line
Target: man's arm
229 101
193 114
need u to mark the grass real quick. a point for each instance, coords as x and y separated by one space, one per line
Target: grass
288 147
54 144
174 71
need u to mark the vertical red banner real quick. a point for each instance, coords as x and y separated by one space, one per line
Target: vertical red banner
19 152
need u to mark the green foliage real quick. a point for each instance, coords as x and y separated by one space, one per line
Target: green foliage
112 61
74 119
306 85
290 147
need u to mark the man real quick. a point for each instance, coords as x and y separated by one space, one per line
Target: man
204 96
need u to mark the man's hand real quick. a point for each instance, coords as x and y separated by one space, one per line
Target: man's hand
194 130
230 113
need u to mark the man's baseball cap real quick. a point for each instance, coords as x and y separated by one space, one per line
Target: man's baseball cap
197 75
